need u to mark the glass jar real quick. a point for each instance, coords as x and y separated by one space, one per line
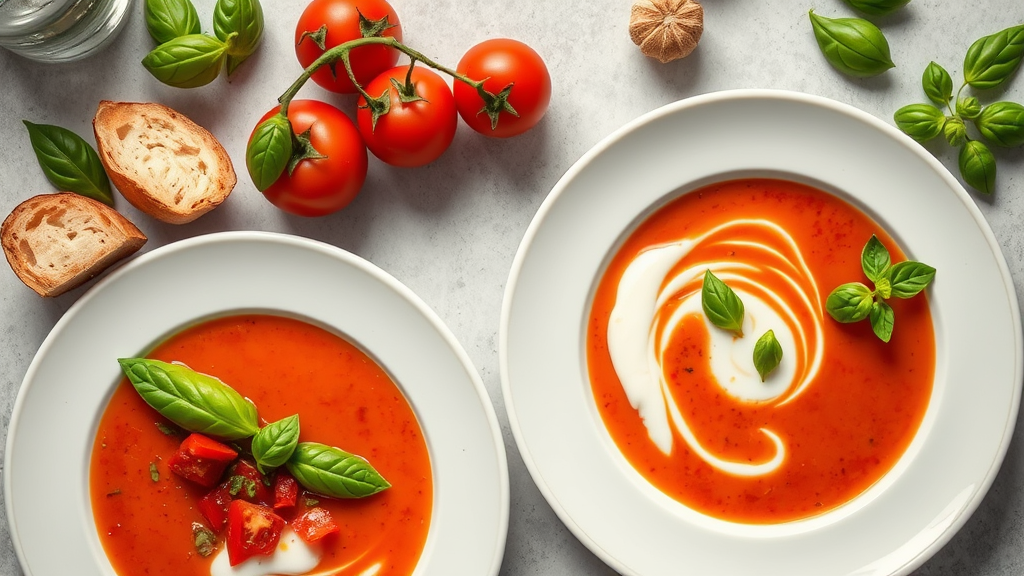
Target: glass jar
60 30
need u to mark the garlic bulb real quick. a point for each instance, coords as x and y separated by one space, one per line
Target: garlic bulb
666 29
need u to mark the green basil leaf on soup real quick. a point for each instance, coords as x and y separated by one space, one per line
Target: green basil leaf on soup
909 278
333 472
721 304
767 354
849 302
275 442
882 320
874 259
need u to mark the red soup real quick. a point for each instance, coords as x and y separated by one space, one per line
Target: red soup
145 514
682 399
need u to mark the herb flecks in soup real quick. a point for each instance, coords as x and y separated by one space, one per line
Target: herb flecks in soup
683 395
178 504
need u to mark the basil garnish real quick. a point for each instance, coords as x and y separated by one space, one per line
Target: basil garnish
69 162
275 442
1002 123
909 278
767 354
850 302
333 472
194 401
721 305
269 151
937 84
882 319
853 46
244 20
992 59
168 19
877 7
204 539
154 474
978 166
186 61
922 122
874 259
237 483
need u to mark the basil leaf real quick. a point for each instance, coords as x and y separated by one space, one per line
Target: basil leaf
922 122
236 483
850 302
877 7
882 319
154 474
955 132
909 278
194 401
69 162
853 46
767 354
978 166
333 472
884 287
168 19
269 151
1002 123
244 19
993 59
204 539
275 442
721 305
968 107
874 259
186 61
937 84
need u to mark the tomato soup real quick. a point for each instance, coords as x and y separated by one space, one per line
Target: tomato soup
681 398
144 513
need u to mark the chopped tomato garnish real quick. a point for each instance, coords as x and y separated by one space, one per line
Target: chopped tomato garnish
248 484
214 506
252 530
314 524
201 460
286 490
204 447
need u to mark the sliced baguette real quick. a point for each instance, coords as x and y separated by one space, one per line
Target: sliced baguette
55 242
163 163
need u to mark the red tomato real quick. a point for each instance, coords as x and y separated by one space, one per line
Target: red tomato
252 530
203 447
214 506
342 20
256 486
324 185
314 524
286 490
503 62
414 133
201 460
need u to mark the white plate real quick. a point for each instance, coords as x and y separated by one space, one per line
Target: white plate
635 528
70 379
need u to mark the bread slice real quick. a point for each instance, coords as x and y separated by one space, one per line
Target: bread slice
163 163
55 242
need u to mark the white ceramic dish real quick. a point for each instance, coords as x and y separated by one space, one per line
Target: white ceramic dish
632 526
70 379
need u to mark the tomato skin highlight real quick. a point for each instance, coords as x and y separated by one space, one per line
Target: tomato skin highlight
252 530
415 133
342 20
501 62
320 186
314 524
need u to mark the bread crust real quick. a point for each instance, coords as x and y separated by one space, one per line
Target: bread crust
162 162
56 242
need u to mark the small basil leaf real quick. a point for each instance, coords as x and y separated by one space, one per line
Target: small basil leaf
922 122
993 59
69 162
186 61
955 132
275 442
721 305
909 278
882 319
333 472
853 46
1002 123
204 539
877 7
269 151
884 287
937 84
850 302
169 19
874 259
978 166
968 107
194 401
767 354
244 18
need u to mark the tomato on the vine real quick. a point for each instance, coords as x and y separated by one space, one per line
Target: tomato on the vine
342 20
411 133
319 186
504 62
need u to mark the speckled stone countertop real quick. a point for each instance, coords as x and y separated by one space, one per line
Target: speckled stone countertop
450 230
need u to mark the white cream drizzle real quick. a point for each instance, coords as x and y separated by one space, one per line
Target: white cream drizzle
292 556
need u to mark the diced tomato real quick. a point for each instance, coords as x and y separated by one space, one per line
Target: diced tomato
201 460
257 491
252 530
214 506
286 490
314 524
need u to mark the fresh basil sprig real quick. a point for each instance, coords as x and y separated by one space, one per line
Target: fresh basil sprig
721 305
187 61
877 7
767 354
333 472
238 23
69 162
269 151
854 301
168 19
194 401
853 46
275 442
937 83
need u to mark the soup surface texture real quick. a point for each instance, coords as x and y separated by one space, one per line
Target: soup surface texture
285 366
682 399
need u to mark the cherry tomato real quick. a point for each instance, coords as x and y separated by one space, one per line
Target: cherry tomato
322 185
252 530
503 62
411 133
342 20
